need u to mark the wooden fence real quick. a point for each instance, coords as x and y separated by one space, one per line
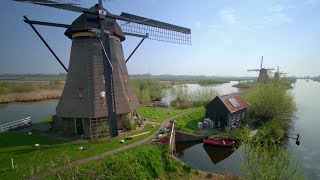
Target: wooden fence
15 125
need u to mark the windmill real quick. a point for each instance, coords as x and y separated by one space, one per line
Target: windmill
263 72
97 90
278 74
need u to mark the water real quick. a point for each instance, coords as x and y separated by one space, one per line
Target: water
306 124
221 89
36 110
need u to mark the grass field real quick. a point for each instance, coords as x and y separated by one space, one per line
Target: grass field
159 114
189 121
29 160
143 162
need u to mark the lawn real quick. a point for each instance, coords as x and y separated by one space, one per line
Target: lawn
29 160
142 162
189 121
159 114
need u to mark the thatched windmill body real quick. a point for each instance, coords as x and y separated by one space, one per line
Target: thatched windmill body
263 72
97 91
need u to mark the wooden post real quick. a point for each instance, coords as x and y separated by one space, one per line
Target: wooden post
12 165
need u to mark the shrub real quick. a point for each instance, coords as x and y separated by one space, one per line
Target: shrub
187 168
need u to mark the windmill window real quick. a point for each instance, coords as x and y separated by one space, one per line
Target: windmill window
80 92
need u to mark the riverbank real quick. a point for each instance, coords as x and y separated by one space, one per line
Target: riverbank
30 91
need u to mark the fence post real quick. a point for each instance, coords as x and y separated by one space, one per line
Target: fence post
12 163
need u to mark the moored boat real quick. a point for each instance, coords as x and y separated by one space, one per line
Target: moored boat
219 142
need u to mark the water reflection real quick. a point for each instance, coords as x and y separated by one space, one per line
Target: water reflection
209 158
168 95
36 110
217 154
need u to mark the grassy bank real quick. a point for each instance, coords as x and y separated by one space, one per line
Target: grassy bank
29 91
189 121
143 162
29 160
159 114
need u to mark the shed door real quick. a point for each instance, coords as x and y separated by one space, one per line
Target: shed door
79 126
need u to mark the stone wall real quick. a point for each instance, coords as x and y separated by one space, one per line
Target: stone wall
185 136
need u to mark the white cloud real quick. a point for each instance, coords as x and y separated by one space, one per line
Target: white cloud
277 15
197 24
227 16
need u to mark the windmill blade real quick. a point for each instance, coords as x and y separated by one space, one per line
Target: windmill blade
156 30
261 62
270 69
59 4
253 69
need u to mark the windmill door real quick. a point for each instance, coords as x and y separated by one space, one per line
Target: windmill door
79 126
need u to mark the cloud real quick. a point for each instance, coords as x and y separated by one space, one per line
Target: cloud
227 16
277 16
197 24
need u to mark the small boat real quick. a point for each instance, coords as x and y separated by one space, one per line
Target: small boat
219 142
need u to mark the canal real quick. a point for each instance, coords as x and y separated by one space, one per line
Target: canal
307 124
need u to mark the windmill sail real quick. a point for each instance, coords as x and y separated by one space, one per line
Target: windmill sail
156 30
71 5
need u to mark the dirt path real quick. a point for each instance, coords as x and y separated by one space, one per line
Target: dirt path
165 123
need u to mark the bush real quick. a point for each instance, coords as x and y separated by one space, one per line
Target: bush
271 100
262 158
187 168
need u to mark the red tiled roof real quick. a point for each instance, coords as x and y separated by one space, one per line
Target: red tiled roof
240 102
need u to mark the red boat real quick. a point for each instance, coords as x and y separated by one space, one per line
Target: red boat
219 142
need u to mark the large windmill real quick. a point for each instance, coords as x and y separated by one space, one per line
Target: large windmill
97 67
263 72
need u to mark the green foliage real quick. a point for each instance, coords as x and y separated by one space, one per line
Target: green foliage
271 100
170 165
105 128
185 99
261 158
245 84
187 168
147 89
129 124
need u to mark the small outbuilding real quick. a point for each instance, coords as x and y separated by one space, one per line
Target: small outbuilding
227 110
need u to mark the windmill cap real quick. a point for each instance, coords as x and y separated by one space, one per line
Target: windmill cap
87 20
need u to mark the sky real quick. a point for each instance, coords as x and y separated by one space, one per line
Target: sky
228 37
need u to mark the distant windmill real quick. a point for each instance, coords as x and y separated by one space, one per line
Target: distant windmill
263 72
278 74
97 90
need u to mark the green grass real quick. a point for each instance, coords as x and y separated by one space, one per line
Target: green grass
189 121
30 160
159 114
47 120
142 162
